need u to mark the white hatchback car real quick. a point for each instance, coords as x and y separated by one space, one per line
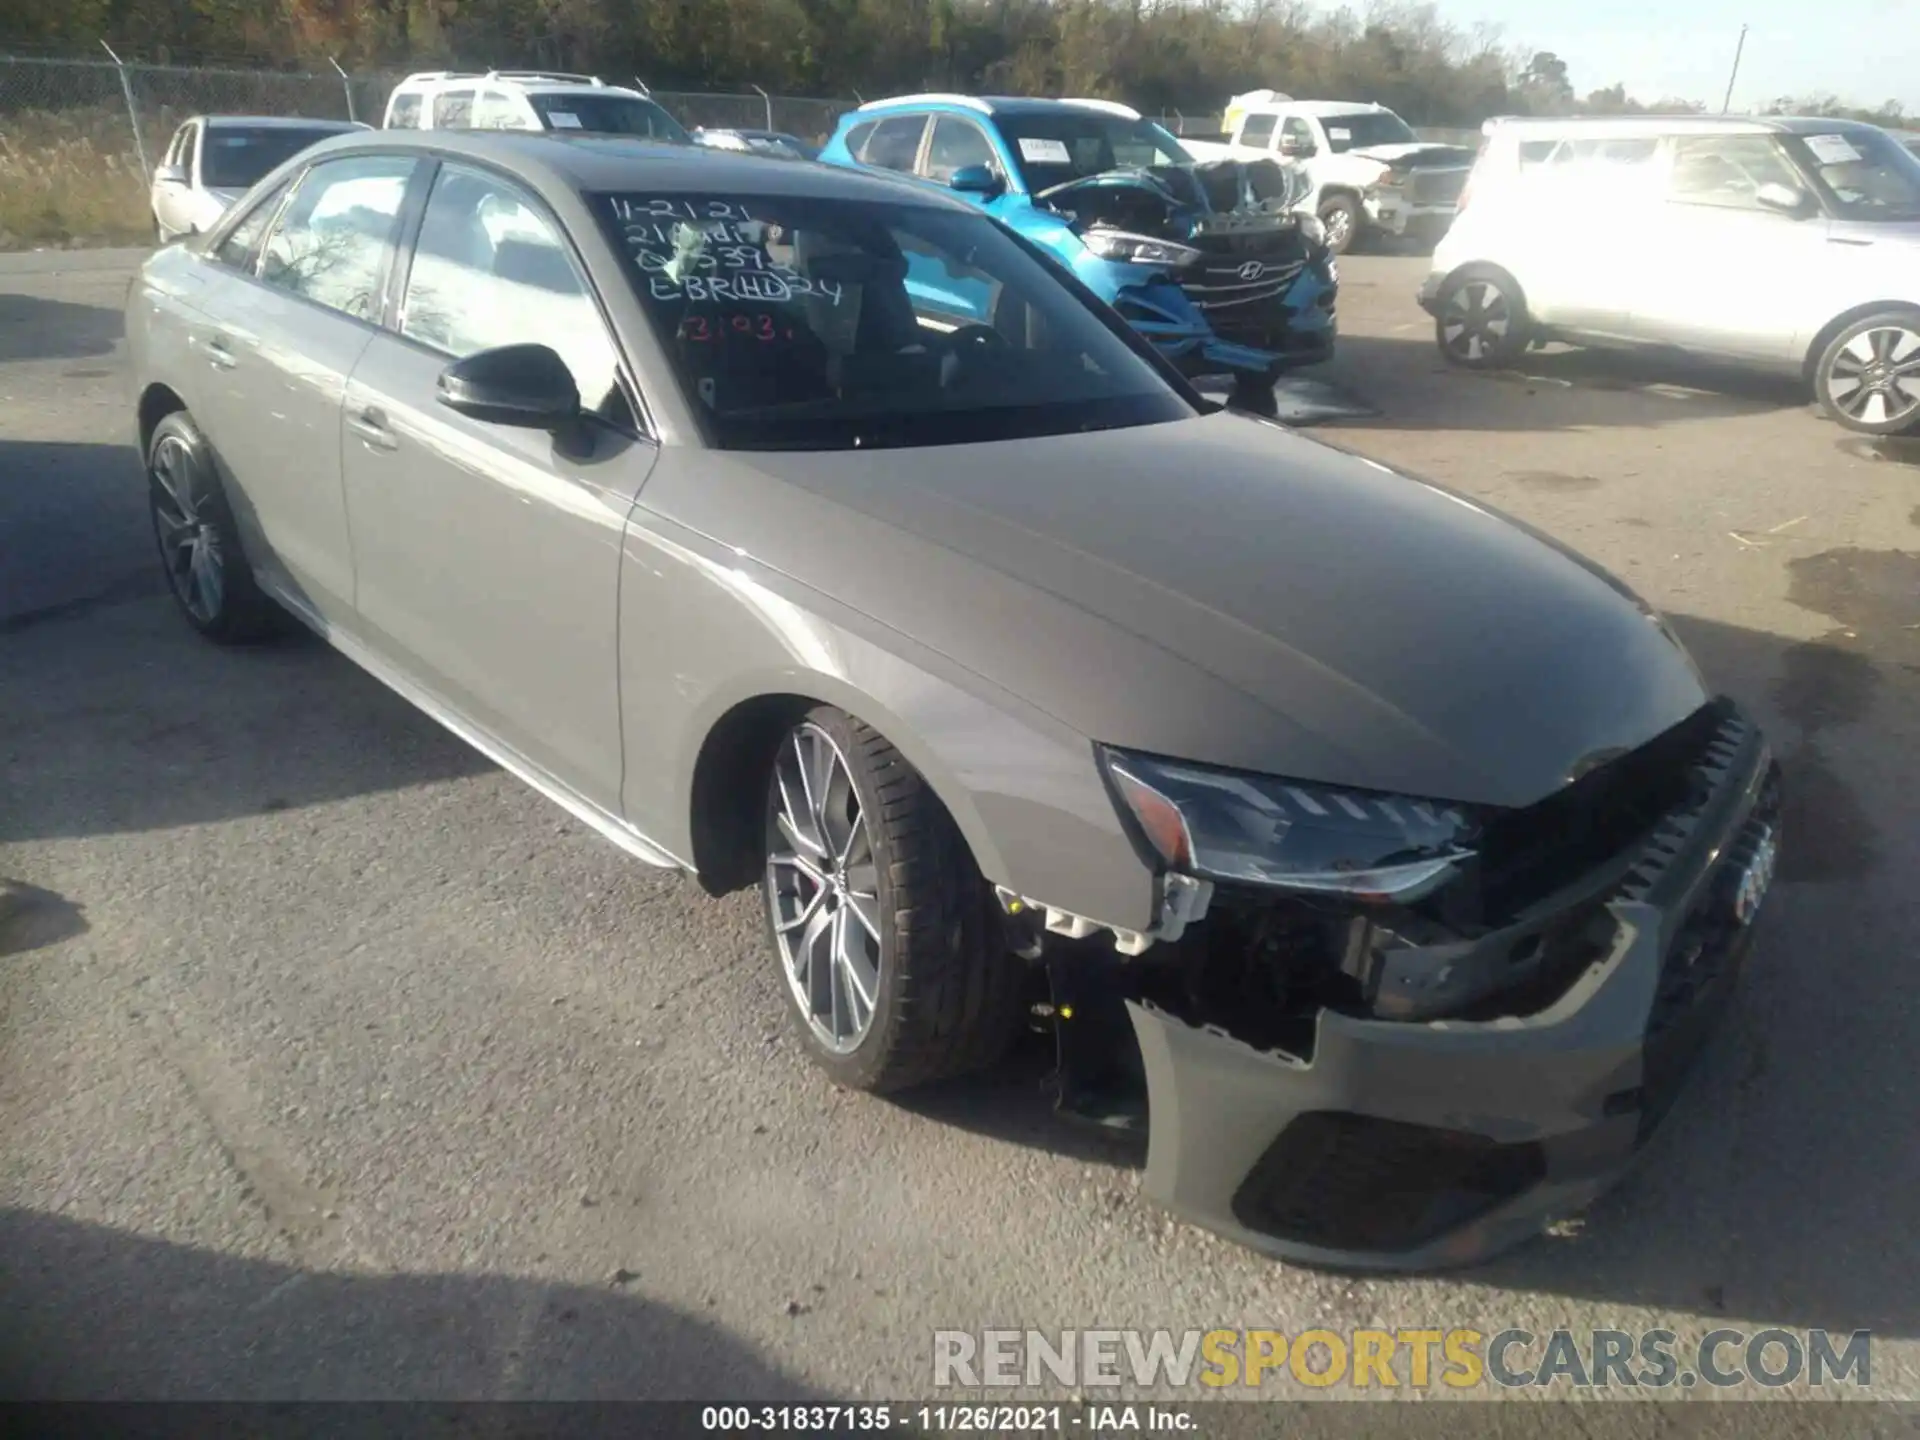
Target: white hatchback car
1784 243
213 160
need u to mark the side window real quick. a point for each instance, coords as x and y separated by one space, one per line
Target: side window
1301 133
177 148
895 143
1258 130
857 138
404 112
1727 170
453 109
498 110
490 268
239 250
333 242
956 144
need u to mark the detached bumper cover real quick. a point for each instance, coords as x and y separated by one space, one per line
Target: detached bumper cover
1420 1146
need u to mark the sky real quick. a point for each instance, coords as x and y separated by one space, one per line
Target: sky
1864 51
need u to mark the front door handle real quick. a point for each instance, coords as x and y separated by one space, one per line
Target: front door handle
220 353
370 424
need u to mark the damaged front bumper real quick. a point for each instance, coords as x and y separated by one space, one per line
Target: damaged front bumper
1413 1146
1394 214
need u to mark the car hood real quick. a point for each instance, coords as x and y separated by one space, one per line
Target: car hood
1227 591
1416 155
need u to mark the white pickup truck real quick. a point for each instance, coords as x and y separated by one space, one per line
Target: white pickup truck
1366 169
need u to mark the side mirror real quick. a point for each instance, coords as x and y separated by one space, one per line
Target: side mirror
1788 199
524 385
975 180
171 175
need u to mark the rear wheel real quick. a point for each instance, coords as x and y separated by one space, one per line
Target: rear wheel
887 937
1868 379
1482 320
200 549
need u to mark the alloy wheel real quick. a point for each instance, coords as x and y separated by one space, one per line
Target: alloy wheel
1476 320
1339 223
823 889
189 539
1875 376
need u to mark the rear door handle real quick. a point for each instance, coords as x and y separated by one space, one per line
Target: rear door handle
370 424
219 353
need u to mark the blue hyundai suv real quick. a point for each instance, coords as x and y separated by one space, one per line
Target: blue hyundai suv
1208 260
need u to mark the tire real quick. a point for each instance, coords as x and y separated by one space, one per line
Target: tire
200 551
1341 215
914 927
1868 378
1254 393
1481 319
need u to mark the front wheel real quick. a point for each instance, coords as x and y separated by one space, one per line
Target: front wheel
894 960
1481 322
1341 215
1255 394
1868 379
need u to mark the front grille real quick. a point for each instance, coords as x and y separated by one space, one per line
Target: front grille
1353 1182
1436 187
1241 282
1698 968
1526 855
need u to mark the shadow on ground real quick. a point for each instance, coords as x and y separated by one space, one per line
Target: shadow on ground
121 719
32 328
1404 378
1784 1188
96 1313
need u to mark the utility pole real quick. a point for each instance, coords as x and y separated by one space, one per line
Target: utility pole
1737 49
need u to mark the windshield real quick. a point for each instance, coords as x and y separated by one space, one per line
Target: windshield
1867 173
1364 128
801 323
232 157
1053 147
608 115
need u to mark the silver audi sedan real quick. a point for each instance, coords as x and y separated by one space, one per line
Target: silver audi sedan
803 528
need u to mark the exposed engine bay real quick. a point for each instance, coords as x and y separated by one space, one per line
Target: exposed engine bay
1182 202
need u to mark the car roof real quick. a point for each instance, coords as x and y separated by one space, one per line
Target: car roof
1319 107
278 122
612 163
984 104
1707 124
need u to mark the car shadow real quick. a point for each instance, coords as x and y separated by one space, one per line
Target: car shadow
100 1314
1783 1188
32 328
77 531
1411 387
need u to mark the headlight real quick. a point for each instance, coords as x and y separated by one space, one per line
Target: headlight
1312 839
1313 229
1140 249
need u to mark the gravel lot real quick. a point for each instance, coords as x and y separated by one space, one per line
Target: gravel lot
337 1063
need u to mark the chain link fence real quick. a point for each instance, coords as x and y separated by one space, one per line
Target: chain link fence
79 138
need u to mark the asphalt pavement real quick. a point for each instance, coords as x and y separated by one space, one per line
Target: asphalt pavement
336 1063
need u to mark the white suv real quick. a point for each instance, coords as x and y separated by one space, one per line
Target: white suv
1784 243
527 100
